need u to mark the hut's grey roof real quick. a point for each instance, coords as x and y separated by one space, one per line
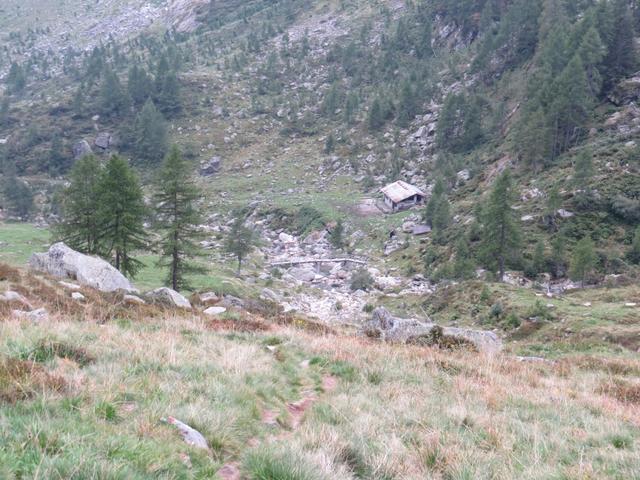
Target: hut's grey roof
400 191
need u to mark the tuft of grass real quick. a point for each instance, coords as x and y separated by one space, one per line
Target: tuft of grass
106 411
268 465
46 350
621 442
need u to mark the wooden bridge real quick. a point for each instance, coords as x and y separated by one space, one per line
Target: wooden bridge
317 261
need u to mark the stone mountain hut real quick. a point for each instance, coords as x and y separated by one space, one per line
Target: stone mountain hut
401 196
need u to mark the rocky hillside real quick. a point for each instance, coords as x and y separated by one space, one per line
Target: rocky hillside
298 111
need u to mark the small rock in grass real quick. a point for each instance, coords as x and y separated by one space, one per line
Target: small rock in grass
169 297
214 311
69 286
10 296
133 300
209 298
77 296
36 316
190 435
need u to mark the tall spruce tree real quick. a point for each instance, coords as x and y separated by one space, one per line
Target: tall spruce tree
634 252
240 241
463 264
139 85
5 108
615 23
571 106
169 101
79 225
113 99
501 236
121 212
177 215
18 195
150 131
558 255
583 260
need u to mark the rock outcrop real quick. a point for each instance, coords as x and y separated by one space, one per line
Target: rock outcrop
168 297
385 326
81 149
61 261
210 167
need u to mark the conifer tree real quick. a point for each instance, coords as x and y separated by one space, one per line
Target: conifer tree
437 193
178 216
240 241
336 237
634 252
58 161
5 107
571 106
376 118
441 219
139 85
350 107
592 51
558 255
616 27
583 260
79 225
150 132
539 262
169 101
17 193
16 79
329 144
407 105
112 99
121 212
554 203
463 265
583 169
501 231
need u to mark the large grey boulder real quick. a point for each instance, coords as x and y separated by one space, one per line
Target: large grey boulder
81 149
303 273
385 326
103 140
168 297
210 167
61 261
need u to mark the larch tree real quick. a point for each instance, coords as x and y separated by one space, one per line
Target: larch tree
501 238
78 228
150 130
121 212
240 241
583 260
178 216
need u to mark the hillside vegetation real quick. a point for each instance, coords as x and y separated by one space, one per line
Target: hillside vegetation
211 146
86 399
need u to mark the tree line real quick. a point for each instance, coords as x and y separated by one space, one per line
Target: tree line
104 213
494 240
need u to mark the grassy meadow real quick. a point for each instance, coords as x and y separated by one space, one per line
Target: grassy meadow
279 403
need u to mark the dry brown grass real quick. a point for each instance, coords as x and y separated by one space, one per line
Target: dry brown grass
20 380
8 273
622 390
